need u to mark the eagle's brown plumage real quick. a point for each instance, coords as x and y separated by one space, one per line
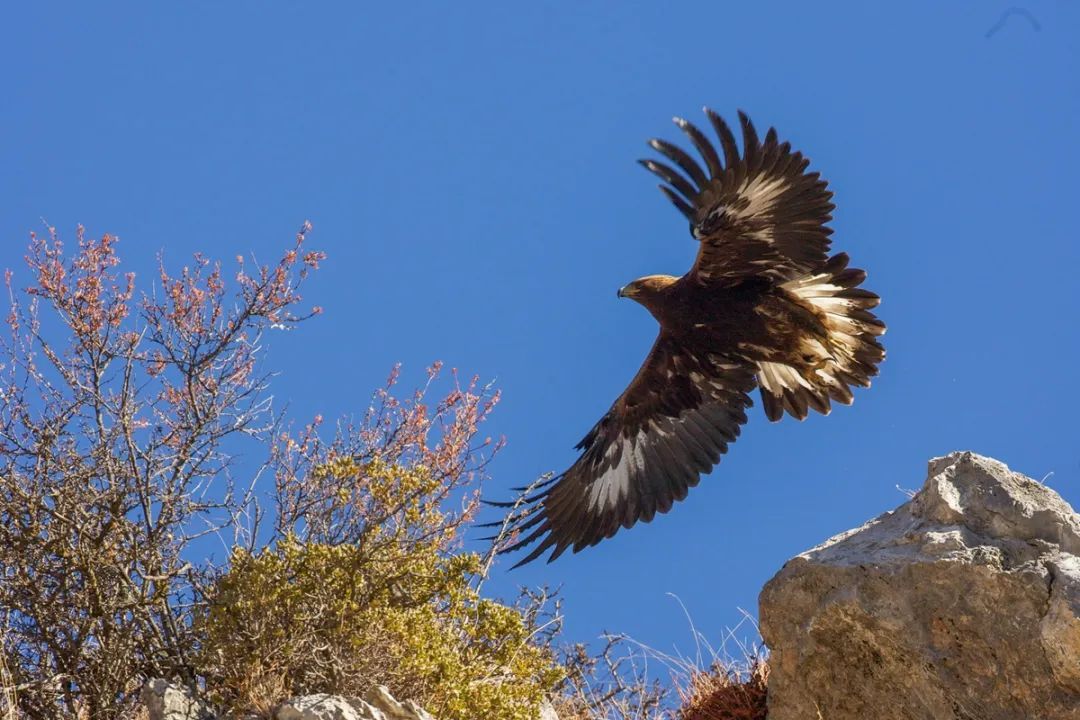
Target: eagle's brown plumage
763 305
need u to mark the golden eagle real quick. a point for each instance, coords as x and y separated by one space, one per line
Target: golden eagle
763 305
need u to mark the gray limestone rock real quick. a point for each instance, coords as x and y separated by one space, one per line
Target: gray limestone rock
167 701
377 704
326 707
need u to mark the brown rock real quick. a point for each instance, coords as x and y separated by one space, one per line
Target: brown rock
963 603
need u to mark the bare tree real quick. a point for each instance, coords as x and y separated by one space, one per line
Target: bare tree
119 416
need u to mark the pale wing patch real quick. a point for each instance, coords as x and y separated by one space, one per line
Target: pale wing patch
757 197
845 309
847 356
634 462
624 458
762 192
777 376
642 456
757 211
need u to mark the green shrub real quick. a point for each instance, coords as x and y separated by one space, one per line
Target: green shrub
395 609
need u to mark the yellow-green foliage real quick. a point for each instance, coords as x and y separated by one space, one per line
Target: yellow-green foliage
395 608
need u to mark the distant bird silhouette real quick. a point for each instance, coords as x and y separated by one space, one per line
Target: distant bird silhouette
1009 12
763 305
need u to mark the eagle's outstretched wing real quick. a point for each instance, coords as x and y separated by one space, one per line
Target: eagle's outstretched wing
756 214
672 424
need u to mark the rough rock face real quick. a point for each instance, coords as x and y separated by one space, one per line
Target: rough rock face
963 603
547 711
378 704
165 701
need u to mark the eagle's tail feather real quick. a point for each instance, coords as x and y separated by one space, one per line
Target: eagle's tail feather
847 356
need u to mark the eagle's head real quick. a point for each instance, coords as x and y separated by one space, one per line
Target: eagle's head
647 290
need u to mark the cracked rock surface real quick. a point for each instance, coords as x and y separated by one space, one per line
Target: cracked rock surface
378 704
963 603
167 701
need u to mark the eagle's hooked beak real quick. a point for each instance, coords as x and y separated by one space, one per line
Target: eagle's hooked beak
619 292
625 292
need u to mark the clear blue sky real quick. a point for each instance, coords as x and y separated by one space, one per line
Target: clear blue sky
469 169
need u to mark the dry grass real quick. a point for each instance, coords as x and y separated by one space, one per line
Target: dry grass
726 693
723 682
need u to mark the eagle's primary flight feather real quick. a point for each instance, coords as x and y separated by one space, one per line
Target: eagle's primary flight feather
763 306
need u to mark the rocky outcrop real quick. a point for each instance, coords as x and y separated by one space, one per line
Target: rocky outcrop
963 603
378 704
165 701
